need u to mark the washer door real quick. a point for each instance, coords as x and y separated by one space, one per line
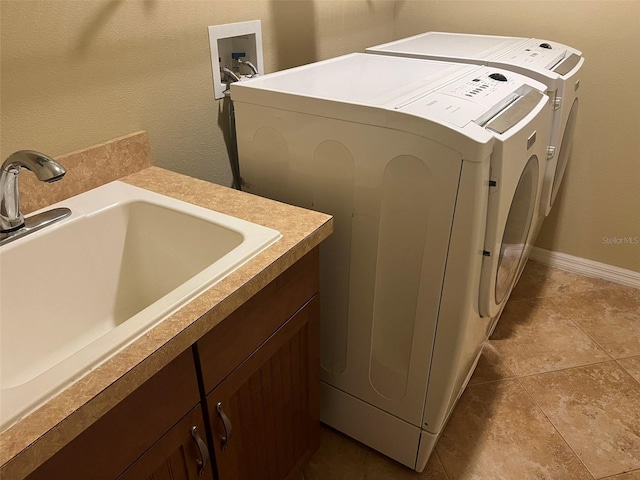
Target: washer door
500 266
565 151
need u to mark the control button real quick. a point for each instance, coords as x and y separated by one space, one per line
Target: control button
545 45
498 76
475 80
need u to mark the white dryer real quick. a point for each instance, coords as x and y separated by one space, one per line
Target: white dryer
556 65
432 171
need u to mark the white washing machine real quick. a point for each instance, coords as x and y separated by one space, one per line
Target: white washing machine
556 65
432 172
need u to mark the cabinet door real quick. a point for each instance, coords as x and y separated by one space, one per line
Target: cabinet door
241 333
116 440
265 415
180 454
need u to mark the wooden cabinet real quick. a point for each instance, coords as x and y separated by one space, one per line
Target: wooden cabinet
260 364
265 415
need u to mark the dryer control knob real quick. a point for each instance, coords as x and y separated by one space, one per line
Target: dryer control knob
498 76
545 45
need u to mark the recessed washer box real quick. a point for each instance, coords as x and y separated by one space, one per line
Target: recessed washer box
234 38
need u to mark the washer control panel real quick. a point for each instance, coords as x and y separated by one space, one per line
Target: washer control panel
483 86
484 92
537 54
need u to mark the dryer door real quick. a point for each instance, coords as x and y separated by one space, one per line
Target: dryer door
500 264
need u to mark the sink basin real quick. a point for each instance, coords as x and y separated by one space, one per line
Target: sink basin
79 291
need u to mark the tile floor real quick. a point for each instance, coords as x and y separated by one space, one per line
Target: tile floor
556 394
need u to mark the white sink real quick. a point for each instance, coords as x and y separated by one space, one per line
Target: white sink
79 291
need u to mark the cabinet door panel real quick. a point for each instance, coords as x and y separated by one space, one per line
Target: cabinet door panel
115 441
175 456
242 332
271 402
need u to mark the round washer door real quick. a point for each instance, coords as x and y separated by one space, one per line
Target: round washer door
500 266
565 151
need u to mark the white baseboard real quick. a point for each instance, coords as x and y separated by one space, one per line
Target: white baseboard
588 268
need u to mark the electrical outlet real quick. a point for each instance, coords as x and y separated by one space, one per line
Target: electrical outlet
236 50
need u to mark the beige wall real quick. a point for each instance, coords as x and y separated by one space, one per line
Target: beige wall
75 73
79 72
601 194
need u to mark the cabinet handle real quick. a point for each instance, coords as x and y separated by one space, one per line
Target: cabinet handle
202 447
226 438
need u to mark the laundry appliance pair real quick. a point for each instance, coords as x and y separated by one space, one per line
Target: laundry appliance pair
556 65
434 172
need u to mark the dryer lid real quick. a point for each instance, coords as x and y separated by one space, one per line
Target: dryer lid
358 78
450 46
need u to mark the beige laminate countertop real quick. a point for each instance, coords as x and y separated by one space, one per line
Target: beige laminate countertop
38 436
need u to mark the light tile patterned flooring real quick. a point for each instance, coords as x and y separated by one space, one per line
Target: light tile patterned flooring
556 394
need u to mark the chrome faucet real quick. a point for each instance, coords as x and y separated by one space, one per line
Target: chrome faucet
12 221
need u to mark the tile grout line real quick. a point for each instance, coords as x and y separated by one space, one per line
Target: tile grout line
556 429
573 322
616 475
515 376
626 371
471 385
577 324
570 318
564 369
446 474
613 286
556 294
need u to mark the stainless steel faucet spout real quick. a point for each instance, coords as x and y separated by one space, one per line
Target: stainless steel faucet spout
44 167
